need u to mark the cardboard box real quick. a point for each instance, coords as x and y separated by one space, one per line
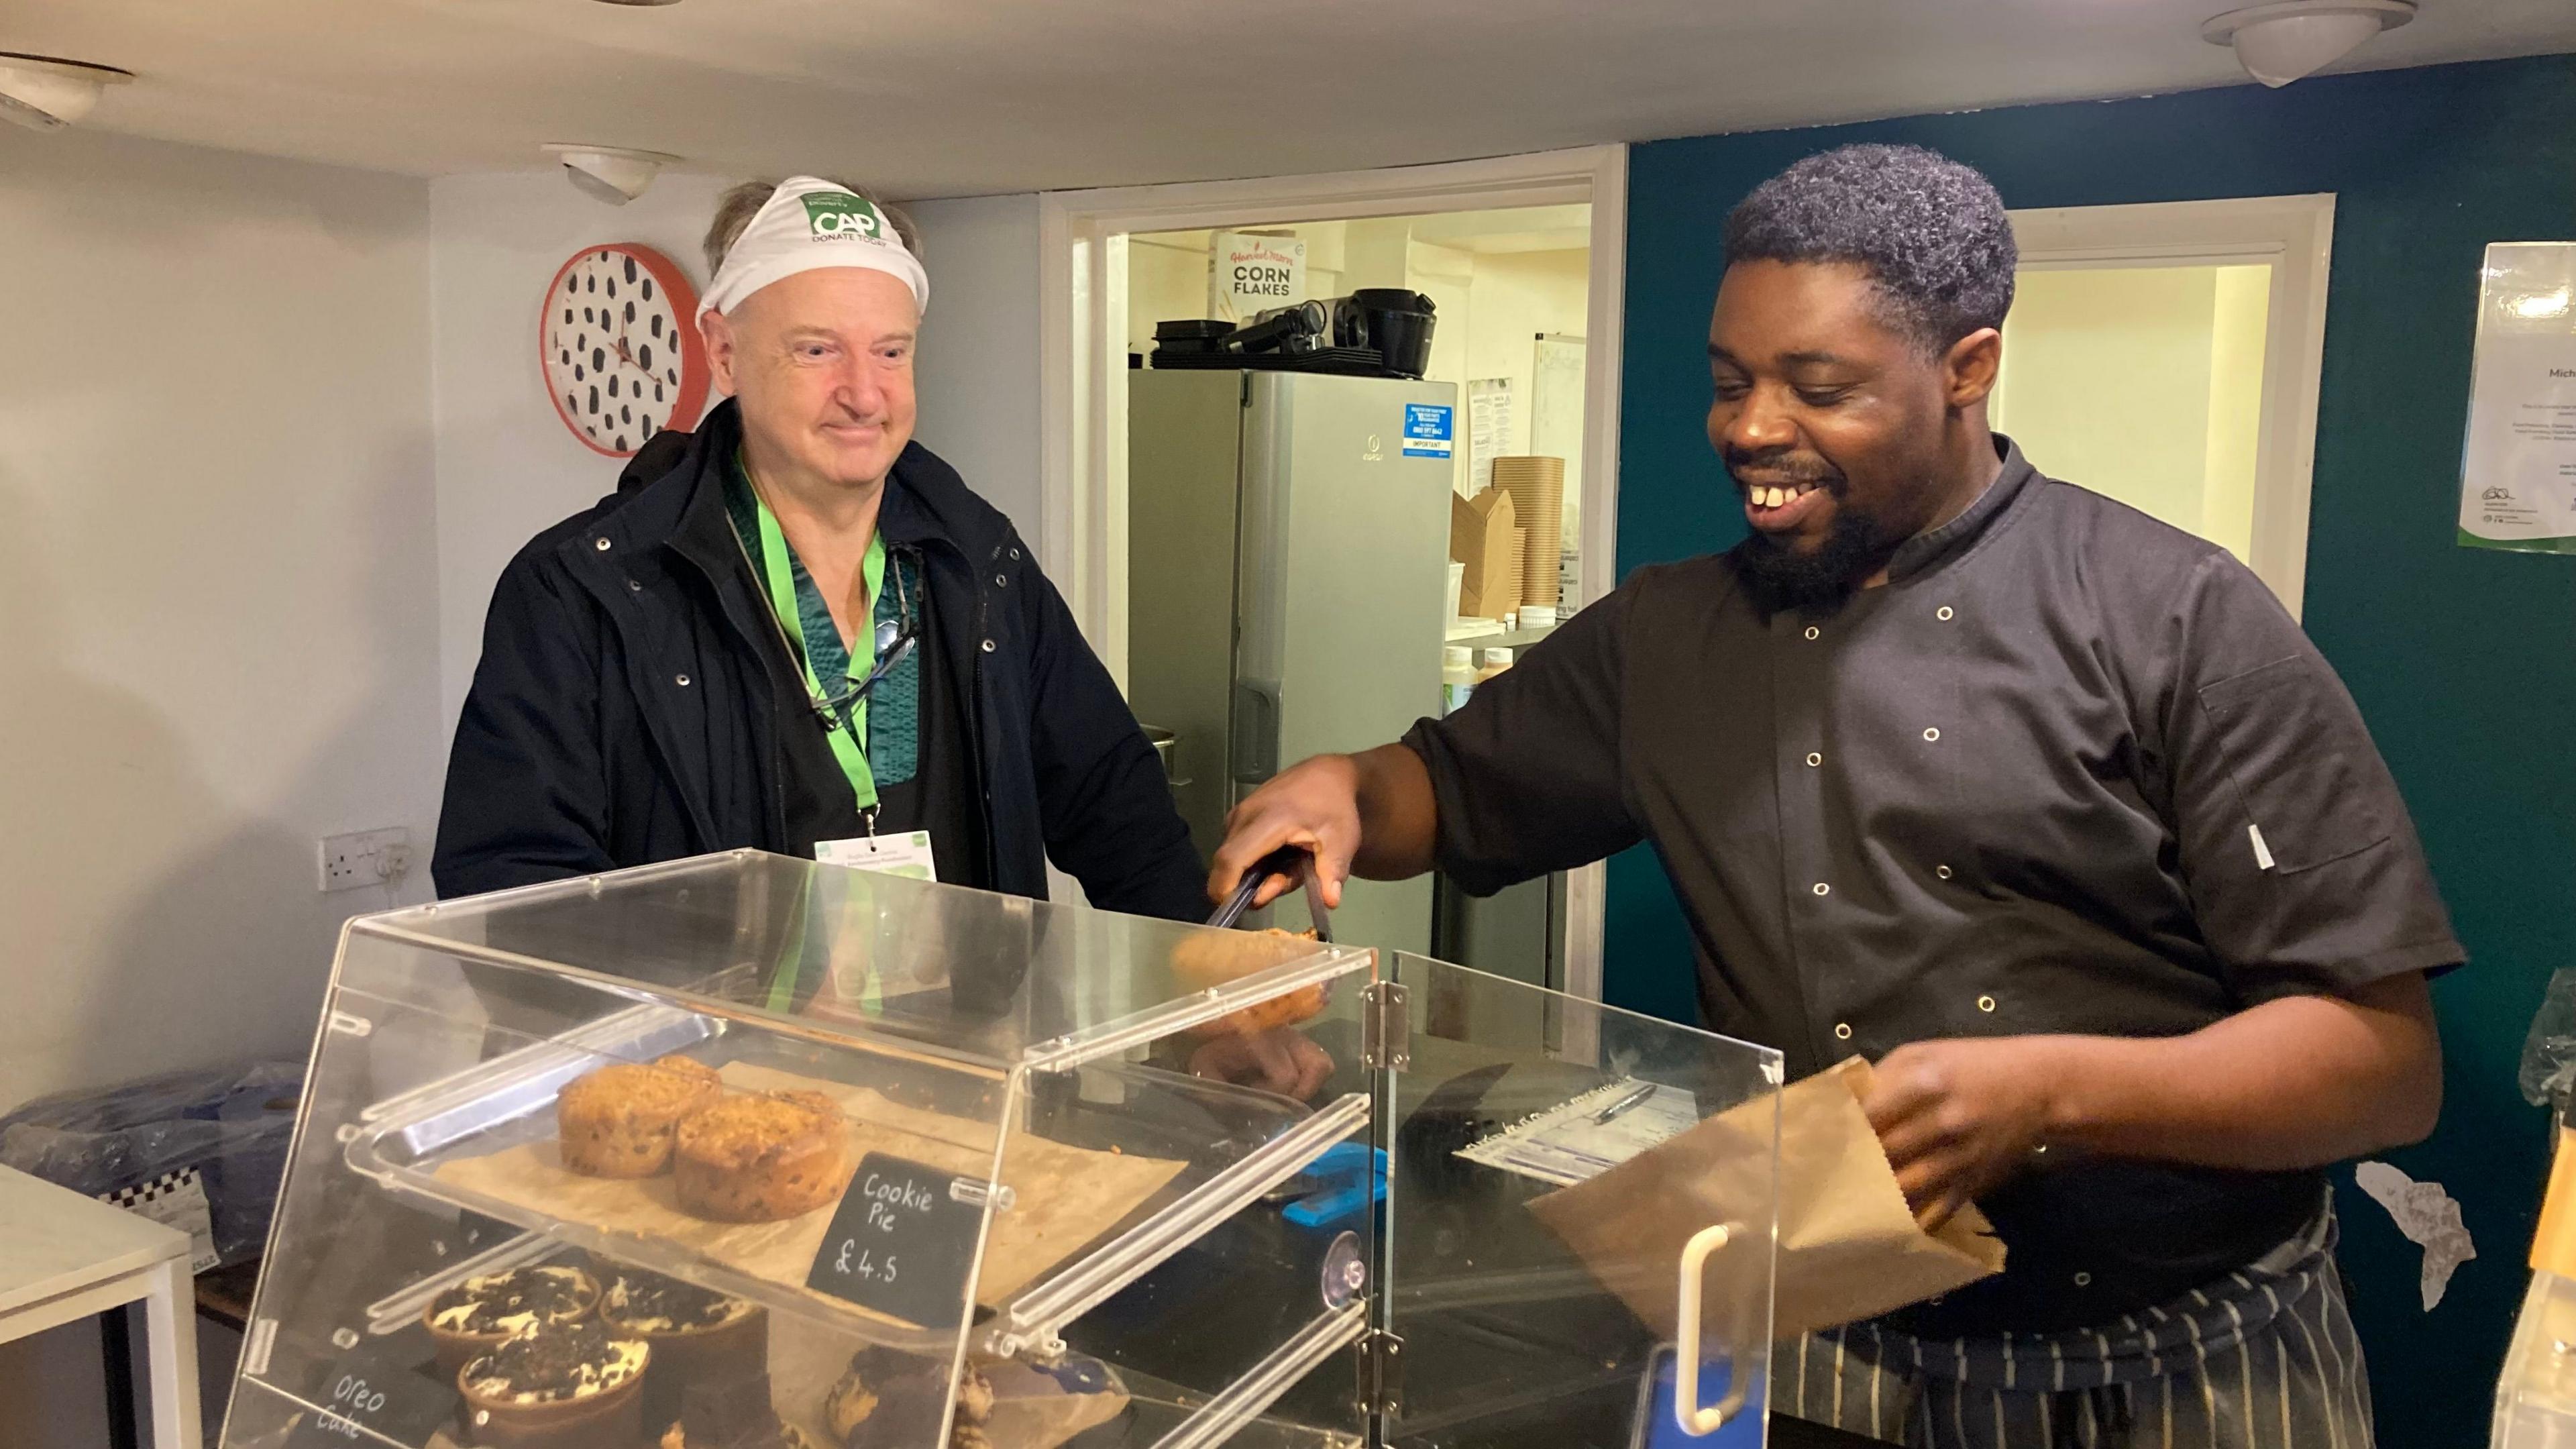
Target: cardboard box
1484 536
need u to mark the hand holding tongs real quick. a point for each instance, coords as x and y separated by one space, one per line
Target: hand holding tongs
1297 863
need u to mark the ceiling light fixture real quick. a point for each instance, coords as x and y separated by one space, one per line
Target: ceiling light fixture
45 94
613 174
2281 42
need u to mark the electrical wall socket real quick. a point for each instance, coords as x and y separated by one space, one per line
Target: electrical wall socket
364 858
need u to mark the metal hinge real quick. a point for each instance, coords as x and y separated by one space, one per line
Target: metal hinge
1386 1028
1381 1363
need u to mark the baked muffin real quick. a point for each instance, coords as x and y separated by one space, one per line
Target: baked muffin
696 1335
617 1121
732 1413
890 1400
558 1386
759 1157
473 1317
1210 959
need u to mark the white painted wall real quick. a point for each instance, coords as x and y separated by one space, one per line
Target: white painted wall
980 358
507 467
218 627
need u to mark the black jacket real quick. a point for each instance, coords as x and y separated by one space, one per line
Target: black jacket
622 714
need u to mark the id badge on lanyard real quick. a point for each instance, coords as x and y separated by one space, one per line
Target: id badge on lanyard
907 854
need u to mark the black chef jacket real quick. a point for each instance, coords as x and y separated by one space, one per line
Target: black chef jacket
2069 770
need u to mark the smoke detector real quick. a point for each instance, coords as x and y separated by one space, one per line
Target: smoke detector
613 174
2281 42
46 94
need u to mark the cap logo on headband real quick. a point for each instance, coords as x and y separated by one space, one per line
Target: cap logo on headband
805 224
838 214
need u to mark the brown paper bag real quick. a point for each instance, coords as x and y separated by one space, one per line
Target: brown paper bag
1485 536
1849 1248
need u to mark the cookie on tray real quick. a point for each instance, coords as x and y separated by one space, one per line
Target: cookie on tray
757 1157
618 1121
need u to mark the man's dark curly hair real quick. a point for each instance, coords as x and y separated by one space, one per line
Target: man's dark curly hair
1931 231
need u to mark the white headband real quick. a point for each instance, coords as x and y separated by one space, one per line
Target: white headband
809 223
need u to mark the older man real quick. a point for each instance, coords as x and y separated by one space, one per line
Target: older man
2047 806
802 632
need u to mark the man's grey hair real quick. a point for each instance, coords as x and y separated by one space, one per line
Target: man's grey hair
736 208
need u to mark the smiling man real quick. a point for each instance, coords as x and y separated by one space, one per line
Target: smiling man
800 630
2048 808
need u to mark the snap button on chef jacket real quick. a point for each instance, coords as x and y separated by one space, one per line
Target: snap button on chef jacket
2069 770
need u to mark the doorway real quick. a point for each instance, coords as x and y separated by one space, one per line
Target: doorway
2168 355
1521 258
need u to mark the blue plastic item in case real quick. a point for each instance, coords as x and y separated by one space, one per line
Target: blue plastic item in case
1657 1428
1335 1189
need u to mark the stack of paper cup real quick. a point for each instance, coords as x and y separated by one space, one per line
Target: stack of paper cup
1537 486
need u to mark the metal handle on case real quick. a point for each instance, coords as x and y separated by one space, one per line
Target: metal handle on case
1688 1413
1254 746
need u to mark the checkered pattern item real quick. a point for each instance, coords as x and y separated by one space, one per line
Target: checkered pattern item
178 1199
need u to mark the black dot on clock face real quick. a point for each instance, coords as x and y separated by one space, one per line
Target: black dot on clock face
656 328
630 271
590 284
587 316
612 286
567 316
577 373
612 387
572 402
657 392
594 399
644 357
572 284
581 342
674 376
648 289
625 414
599 359
630 311
564 358
621 442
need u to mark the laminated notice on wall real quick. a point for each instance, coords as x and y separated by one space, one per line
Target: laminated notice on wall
1489 430
2518 469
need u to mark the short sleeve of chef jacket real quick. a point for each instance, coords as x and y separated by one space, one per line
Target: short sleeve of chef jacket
2303 866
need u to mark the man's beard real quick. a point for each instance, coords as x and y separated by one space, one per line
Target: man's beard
1854 547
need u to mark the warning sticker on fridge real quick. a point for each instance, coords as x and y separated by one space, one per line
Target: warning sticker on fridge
1427 430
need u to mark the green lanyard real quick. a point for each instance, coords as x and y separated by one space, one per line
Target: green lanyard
847 730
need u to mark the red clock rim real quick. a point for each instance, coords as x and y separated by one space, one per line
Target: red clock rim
694 377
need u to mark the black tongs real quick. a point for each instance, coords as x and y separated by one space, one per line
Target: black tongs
1298 864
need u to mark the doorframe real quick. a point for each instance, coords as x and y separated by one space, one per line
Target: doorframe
2294 235
1082 384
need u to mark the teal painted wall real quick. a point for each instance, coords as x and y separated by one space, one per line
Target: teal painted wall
2464 661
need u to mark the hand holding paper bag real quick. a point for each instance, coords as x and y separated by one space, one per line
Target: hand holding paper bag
1849 1248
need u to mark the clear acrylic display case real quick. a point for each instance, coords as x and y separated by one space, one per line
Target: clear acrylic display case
1070 1177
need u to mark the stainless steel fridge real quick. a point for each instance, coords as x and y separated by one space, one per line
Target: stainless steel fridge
1288 551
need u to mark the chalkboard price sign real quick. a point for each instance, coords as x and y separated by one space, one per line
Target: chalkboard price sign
900 1243
373 1393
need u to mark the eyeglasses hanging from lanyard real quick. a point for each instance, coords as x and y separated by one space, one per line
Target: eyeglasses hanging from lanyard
843 715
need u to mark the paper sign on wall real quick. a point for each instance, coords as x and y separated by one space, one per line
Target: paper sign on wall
1252 274
2518 470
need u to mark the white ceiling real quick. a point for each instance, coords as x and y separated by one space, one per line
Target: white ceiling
952 97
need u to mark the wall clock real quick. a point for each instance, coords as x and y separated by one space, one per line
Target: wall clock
618 341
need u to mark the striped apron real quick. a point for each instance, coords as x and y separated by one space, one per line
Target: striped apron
2265 1358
